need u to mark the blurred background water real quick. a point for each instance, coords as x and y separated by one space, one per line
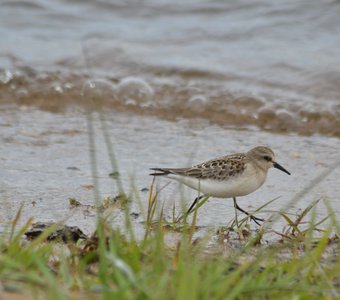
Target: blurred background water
272 64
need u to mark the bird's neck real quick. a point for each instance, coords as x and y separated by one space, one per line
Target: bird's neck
260 168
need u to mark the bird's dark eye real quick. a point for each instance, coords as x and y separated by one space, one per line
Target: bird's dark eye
267 158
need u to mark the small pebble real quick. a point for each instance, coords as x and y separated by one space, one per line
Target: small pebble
135 215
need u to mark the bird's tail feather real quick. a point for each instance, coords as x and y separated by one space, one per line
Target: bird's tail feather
160 172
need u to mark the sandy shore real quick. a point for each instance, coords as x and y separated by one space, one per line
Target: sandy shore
45 161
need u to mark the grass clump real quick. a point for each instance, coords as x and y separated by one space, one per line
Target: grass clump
114 265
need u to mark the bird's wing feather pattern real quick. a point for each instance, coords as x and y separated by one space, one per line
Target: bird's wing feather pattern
218 168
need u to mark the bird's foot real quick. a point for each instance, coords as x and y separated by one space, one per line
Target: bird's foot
256 219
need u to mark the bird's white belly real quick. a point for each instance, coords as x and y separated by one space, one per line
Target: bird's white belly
233 187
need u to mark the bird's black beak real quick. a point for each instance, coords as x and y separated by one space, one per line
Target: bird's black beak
277 166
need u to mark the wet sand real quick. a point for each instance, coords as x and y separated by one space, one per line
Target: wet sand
45 161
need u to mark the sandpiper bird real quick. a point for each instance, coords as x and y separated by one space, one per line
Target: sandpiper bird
229 176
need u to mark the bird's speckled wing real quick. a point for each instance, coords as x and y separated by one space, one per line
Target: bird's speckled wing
218 168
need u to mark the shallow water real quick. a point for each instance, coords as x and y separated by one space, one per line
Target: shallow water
272 64
45 161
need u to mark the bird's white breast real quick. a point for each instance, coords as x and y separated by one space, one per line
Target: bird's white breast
247 182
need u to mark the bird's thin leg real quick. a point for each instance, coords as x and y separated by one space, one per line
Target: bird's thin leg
193 204
255 219
235 206
184 216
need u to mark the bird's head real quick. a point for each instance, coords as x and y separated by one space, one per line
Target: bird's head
265 157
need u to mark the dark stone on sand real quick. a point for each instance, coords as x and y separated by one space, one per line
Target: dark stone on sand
114 175
135 215
61 233
73 168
